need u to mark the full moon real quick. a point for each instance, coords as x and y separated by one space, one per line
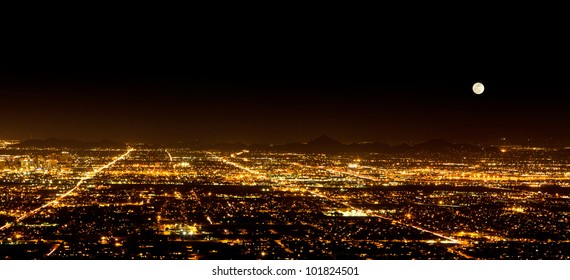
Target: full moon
478 88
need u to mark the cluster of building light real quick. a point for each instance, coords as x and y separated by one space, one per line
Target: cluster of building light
308 204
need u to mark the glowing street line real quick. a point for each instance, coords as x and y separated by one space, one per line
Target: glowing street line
353 174
87 176
330 170
237 165
53 250
169 155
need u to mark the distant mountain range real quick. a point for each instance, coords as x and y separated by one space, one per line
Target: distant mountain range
323 144
72 144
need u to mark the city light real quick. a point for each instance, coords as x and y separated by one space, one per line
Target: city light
153 203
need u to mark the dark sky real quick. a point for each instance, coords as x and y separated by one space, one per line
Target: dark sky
352 76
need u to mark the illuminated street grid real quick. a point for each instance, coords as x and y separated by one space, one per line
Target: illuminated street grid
156 203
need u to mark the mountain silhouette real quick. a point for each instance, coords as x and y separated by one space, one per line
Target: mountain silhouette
374 147
442 146
435 146
67 143
325 144
322 144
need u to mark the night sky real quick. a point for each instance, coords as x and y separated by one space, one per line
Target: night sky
278 80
